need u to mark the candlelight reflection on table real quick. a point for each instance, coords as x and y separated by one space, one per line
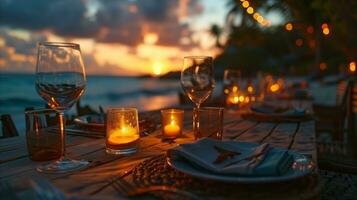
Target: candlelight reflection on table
122 131
172 123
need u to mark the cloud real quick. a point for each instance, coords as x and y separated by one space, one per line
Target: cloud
113 21
65 17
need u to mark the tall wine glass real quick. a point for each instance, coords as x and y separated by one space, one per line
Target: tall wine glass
197 80
60 81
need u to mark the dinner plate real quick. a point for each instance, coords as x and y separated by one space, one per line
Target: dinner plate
300 167
92 122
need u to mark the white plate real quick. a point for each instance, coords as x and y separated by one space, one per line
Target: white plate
301 167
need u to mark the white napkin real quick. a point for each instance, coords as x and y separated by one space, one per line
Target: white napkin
253 159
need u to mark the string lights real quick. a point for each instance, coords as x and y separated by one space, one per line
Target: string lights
256 15
310 29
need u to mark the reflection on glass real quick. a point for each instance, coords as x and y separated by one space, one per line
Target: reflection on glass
60 81
197 80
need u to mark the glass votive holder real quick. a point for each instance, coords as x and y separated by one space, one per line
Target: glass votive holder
122 131
210 123
42 138
172 123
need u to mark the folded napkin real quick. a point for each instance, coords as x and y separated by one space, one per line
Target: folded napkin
230 157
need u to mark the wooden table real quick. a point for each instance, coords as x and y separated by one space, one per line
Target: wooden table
299 136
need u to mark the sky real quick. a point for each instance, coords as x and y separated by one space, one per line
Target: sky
117 37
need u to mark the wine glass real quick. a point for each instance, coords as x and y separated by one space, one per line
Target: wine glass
60 81
197 80
231 81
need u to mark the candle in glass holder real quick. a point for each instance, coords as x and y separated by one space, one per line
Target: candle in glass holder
122 131
172 122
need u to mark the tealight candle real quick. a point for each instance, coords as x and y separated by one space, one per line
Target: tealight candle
172 122
123 135
122 131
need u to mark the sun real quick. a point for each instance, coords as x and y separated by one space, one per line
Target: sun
157 68
150 38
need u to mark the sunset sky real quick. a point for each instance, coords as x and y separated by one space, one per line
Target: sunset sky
126 37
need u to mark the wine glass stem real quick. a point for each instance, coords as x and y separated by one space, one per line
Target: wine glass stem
62 122
196 123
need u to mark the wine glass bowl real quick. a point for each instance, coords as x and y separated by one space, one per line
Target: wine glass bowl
60 74
60 81
197 80
231 80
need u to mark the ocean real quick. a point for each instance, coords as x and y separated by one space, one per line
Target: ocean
17 91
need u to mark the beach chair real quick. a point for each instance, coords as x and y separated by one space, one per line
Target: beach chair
331 119
341 155
8 128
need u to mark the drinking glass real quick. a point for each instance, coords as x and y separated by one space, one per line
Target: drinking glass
211 120
43 141
231 81
197 80
122 131
60 81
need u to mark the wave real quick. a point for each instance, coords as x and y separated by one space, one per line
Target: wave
20 101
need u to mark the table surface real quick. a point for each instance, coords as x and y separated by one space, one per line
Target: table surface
298 136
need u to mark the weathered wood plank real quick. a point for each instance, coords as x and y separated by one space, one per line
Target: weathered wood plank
257 133
282 135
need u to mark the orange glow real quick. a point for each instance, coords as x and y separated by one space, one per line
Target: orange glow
323 66
241 98
275 87
260 19
289 27
299 42
250 89
352 66
235 89
326 31
310 29
157 68
235 99
226 91
123 135
256 15
246 100
150 38
324 25
250 10
245 4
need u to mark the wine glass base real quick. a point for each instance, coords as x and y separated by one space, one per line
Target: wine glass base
63 166
126 151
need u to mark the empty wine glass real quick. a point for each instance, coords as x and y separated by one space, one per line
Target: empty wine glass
231 81
60 81
197 80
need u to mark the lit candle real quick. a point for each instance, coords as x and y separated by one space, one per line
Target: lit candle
124 135
172 130
172 122
275 87
122 131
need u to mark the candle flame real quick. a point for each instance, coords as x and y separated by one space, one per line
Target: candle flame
235 99
235 89
275 87
352 66
250 89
